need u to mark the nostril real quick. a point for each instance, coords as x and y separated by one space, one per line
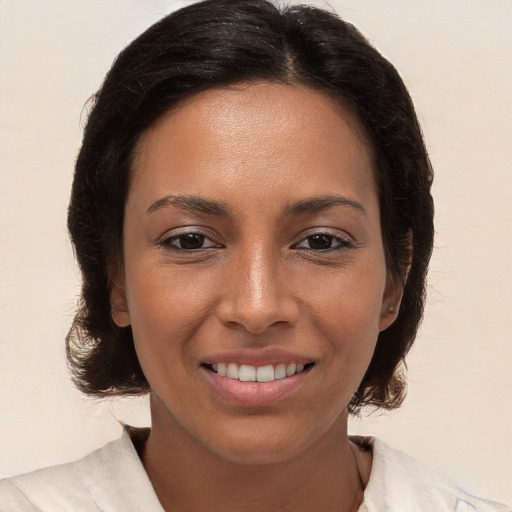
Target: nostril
257 318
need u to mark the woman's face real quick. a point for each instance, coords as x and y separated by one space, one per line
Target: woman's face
252 246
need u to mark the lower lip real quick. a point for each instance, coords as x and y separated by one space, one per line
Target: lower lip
255 394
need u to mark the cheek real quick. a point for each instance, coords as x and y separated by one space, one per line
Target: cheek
351 336
345 309
161 299
350 297
166 308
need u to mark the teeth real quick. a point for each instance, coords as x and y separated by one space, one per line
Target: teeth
221 369
291 369
247 373
264 373
280 371
232 372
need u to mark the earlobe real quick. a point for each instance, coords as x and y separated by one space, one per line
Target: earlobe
395 288
120 318
390 304
118 304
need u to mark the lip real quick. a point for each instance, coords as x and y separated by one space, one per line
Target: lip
257 357
255 394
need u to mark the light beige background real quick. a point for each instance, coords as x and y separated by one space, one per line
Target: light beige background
455 56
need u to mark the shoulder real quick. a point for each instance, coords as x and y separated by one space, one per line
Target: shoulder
66 484
111 476
399 482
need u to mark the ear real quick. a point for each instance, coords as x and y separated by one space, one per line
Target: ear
394 289
391 301
118 303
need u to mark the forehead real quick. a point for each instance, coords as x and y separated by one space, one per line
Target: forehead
254 138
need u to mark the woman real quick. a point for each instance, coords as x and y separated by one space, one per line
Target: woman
252 216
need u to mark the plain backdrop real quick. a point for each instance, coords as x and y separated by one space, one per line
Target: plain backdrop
454 55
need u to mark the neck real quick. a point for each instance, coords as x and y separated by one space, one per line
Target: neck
188 476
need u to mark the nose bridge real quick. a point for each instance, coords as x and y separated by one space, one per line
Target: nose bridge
261 274
256 297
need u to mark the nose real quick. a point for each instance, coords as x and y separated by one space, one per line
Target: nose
255 294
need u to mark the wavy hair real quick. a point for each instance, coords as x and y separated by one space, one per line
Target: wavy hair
222 42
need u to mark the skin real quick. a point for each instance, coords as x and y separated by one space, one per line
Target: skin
257 280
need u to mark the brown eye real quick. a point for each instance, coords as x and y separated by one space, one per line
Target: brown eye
188 242
323 242
320 242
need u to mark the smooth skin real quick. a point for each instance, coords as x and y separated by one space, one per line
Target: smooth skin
252 222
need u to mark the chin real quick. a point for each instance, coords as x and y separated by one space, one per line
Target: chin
259 441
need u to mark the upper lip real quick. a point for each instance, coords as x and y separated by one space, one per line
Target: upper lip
257 357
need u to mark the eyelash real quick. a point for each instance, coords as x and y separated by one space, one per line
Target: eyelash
169 242
342 243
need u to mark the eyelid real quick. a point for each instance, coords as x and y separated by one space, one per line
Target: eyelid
344 239
165 241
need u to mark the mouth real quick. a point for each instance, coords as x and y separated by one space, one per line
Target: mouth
266 373
257 377
256 386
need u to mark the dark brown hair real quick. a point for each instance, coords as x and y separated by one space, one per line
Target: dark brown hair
222 42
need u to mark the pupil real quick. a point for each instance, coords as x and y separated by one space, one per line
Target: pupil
320 242
191 241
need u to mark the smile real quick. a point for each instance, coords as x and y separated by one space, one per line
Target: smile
267 373
258 385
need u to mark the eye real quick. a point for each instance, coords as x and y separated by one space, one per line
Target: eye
189 242
323 242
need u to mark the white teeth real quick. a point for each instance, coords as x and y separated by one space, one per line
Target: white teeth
248 373
290 369
265 373
232 371
280 371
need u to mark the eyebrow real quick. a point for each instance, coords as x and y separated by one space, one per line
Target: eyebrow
209 207
191 203
319 203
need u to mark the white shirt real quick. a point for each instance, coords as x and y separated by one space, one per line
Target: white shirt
113 479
